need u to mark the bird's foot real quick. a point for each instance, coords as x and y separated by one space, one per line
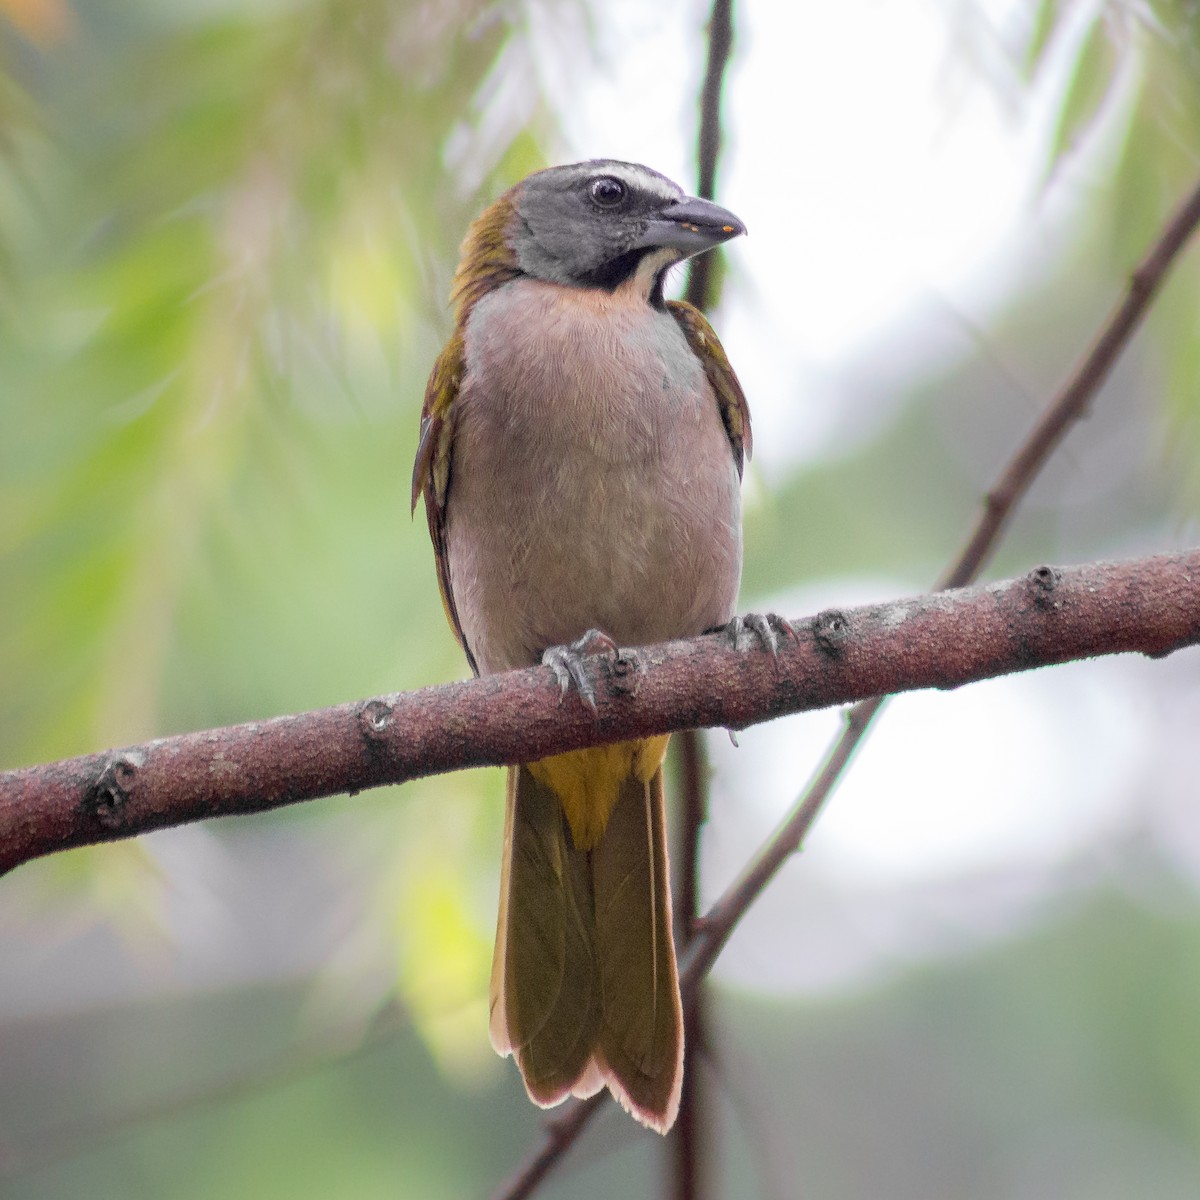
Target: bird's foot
570 667
767 628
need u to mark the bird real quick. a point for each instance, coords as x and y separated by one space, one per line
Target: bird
580 457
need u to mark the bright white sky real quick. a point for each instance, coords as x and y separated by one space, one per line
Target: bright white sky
881 172
882 156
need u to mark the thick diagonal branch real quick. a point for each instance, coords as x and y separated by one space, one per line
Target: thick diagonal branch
1151 606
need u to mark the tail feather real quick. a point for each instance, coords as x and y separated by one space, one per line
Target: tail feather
544 994
584 984
641 1031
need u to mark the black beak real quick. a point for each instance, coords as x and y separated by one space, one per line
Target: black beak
691 226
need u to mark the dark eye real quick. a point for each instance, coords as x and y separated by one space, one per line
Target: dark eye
606 191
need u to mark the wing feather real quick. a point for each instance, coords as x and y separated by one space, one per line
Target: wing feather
702 339
432 468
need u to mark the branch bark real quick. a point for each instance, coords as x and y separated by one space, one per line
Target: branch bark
1150 605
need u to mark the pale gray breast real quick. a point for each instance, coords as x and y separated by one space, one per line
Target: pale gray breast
592 482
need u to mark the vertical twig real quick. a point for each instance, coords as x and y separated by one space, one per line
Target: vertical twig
690 1144
700 290
690 1138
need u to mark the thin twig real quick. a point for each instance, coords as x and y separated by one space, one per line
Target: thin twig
693 792
1002 498
689 1144
1072 401
721 919
720 44
561 1133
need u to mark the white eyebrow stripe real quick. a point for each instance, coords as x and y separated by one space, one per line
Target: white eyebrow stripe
637 176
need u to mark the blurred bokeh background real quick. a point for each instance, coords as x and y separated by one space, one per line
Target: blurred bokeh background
226 235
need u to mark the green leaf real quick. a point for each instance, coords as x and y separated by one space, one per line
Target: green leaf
1045 24
1091 80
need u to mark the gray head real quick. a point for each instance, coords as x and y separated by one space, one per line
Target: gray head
602 223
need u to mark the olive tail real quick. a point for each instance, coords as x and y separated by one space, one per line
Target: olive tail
585 989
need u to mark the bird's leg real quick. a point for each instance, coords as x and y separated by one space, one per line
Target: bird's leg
569 667
766 627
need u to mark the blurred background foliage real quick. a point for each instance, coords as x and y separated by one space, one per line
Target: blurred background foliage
226 235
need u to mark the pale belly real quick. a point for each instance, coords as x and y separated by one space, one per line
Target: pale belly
592 485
